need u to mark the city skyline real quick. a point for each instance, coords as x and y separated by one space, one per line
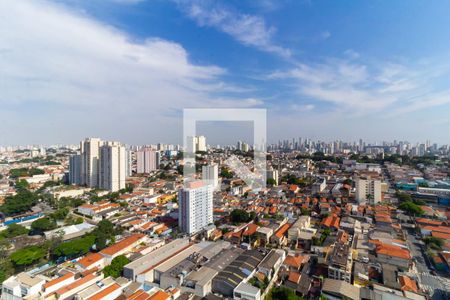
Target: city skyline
284 141
124 70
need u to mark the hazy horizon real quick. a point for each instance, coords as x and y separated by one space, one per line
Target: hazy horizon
125 69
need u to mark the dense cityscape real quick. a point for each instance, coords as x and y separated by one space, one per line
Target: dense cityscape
102 220
224 149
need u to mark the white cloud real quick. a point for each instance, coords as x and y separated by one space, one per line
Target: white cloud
302 107
248 29
96 75
362 89
325 35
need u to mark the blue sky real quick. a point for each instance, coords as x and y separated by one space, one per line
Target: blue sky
125 69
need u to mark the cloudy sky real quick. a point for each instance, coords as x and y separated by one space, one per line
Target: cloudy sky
125 69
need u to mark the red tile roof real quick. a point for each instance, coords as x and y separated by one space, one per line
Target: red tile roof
295 261
294 277
280 232
440 235
90 259
113 249
408 284
58 280
76 284
159 295
105 292
392 250
251 229
424 221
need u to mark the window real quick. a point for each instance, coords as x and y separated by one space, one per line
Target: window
7 291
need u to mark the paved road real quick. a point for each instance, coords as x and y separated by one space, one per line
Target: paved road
436 286
415 248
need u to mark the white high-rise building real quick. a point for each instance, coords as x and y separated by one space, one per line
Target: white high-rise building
368 190
195 207
147 160
90 152
99 165
75 169
112 166
201 143
272 174
128 163
210 175
196 143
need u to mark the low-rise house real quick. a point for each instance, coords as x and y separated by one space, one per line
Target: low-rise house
340 262
272 262
338 289
91 261
279 237
123 246
22 286
99 210
393 255
264 233
301 223
246 291
68 291
58 282
295 262
332 222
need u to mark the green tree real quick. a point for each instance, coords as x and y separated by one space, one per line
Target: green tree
239 216
75 247
403 197
225 173
104 232
24 172
23 201
348 181
14 230
411 208
73 220
28 255
43 224
6 269
283 293
271 181
22 185
115 269
60 214
419 202
434 242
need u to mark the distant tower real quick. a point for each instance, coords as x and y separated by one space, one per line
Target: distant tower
147 160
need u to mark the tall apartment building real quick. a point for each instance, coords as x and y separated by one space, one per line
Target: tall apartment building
128 163
210 175
147 160
75 169
112 166
99 165
272 174
90 152
196 143
368 190
195 207
201 143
